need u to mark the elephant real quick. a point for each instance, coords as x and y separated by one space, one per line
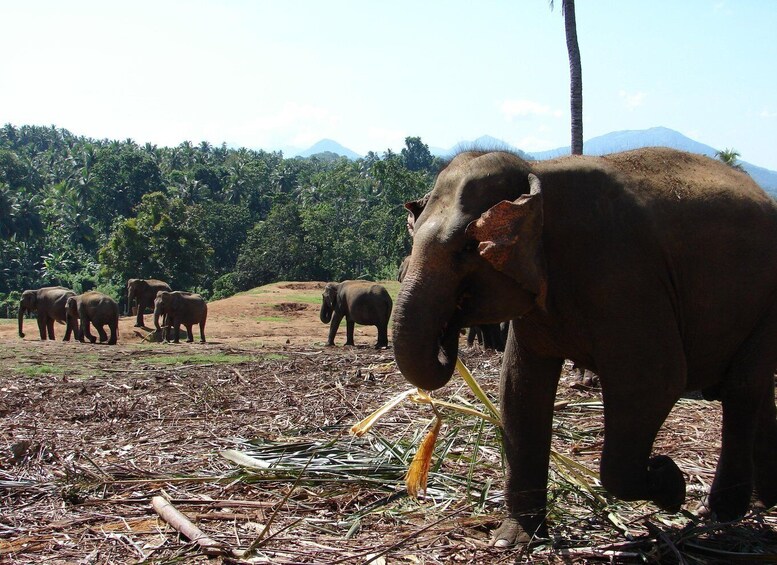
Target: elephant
359 302
654 268
96 308
144 291
491 336
179 307
49 305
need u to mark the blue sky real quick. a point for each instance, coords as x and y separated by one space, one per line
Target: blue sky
271 74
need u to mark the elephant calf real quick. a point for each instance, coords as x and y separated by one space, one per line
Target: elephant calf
178 308
359 302
49 305
96 308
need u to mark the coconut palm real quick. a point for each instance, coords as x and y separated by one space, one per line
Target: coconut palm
730 158
575 74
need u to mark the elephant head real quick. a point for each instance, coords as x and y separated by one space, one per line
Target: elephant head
328 302
477 259
27 303
159 308
134 288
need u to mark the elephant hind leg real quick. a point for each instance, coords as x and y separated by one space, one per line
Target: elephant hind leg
101 332
765 454
382 336
202 331
350 325
748 452
114 333
190 333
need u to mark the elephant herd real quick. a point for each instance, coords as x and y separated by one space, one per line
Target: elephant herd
78 312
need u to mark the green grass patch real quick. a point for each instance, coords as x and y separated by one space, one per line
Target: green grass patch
194 359
313 298
272 319
40 370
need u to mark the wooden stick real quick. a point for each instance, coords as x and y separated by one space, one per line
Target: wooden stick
183 525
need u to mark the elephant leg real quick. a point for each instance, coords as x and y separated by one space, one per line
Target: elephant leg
114 332
139 321
50 327
350 325
334 325
640 385
202 332
85 331
176 331
527 394
190 333
749 440
41 320
101 332
765 454
382 335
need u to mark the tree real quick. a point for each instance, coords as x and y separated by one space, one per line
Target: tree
575 74
416 155
730 158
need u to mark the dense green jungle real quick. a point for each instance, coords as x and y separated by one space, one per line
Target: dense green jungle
89 214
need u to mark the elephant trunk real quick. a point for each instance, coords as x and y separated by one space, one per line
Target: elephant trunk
326 312
157 313
425 334
22 310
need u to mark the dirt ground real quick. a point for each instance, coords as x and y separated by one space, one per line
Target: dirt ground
91 434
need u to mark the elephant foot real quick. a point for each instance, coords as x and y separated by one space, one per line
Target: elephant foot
139 326
92 339
523 532
189 340
666 483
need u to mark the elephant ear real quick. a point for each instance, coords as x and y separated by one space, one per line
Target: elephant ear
415 208
510 238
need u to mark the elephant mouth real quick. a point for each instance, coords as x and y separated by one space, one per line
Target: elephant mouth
448 344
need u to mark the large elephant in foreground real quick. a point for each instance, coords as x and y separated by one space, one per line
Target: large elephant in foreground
359 302
144 291
97 309
657 269
176 308
49 305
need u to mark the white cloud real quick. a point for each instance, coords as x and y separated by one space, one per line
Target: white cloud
524 108
632 100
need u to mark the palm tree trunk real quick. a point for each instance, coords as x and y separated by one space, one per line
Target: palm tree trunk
575 75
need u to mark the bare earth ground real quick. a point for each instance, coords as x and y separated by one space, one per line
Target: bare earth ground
90 433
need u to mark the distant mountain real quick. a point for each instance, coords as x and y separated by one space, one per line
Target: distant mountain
658 137
328 146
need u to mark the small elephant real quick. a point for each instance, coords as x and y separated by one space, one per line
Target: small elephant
49 304
359 302
144 291
97 309
653 268
178 308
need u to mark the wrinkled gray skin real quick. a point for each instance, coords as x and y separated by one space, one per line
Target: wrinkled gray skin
97 309
359 302
144 291
180 308
49 305
654 268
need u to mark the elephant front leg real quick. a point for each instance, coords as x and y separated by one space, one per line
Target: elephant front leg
382 336
50 328
528 391
42 326
139 320
349 325
334 325
85 331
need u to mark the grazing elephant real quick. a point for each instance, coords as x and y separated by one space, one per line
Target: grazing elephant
178 308
49 305
144 291
96 308
654 268
359 302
